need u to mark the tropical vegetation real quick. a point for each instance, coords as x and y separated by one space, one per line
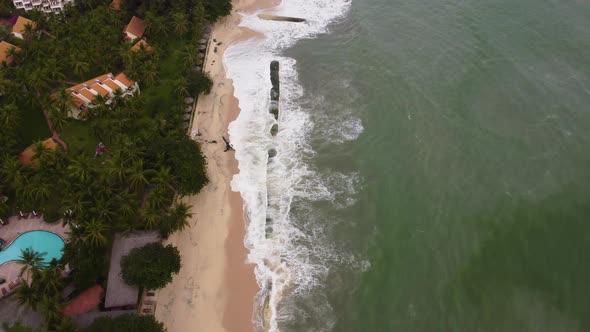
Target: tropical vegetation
150 160
127 323
150 266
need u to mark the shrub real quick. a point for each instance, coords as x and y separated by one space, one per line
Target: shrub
127 323
150 266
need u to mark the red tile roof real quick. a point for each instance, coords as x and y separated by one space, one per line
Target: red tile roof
135 27
87 94
111 85
140 44
86 301
101 91
26 157
21 22
4 47
123 79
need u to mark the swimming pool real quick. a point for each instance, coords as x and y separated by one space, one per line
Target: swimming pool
44 242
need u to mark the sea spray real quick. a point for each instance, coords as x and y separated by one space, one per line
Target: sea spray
290 260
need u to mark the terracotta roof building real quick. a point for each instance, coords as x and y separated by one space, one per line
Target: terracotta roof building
4 47
119 294
27 156
135 28
86 301
142 44
85 93
19 28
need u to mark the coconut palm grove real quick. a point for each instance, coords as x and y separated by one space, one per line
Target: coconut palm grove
110 162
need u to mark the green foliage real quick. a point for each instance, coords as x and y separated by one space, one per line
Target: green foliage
9 118
127 323
215 9
185 159
44 293
201 83
89 264
150 266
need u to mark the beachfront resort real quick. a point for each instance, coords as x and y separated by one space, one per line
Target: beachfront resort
97 99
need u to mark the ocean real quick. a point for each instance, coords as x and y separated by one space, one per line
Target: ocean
432 165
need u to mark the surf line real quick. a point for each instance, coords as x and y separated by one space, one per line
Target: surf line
265 294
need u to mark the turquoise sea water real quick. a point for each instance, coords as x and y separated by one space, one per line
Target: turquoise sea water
50 245
471 207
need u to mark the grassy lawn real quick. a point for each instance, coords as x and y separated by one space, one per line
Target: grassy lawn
33 128
79 137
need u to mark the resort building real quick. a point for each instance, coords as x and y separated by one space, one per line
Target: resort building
135 28
46 6
5 48
20 27
115 5
120 295
84 94
142 44
27 157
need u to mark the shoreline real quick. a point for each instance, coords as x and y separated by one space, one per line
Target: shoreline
215 289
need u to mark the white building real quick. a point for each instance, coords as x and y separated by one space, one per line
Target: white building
84 94
46 6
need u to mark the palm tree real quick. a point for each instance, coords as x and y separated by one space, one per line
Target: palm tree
27 296
156 24
58 118
9 116
158 197
117 169
10 169
190 55
30 260
82 168
50 278
150 217
80 67
179 215
150 73
137 175
180 23
163 178
103 209
181 85
95 233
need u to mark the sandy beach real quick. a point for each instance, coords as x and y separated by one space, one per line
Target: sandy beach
215 288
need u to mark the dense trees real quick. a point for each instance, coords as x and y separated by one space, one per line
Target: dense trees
186 161
150 158
127 323
44 290
150 266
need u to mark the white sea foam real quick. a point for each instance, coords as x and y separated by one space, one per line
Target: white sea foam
286 260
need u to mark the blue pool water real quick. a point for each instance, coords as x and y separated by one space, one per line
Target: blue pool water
46 243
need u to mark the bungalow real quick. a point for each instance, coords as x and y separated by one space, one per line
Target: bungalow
120 295
19 28
4 52
84 94
27 157
135 29
142 44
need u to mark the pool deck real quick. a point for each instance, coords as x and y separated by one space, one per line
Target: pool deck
15 227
